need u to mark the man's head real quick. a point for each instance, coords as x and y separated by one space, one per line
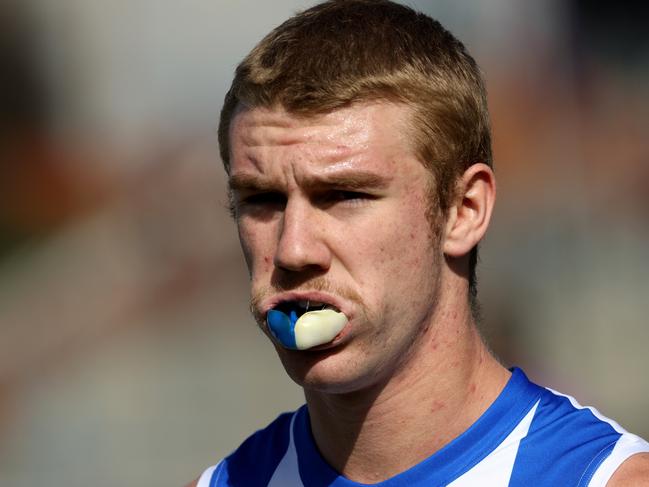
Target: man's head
356 142
339 53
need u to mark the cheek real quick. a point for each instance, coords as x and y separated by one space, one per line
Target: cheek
257 246
405 239
404 254
394 254
403 251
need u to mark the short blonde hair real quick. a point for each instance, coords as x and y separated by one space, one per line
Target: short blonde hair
342 52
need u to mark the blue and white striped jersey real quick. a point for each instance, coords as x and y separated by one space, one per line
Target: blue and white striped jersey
529 436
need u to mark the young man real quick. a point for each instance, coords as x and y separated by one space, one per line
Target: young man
356 140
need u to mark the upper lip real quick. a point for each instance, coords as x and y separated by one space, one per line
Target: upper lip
315 296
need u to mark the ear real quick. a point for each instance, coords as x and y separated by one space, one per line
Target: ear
470 212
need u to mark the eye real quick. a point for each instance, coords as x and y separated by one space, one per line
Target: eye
259 202
348 198
270 198
347 195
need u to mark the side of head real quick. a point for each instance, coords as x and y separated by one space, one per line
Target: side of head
343 52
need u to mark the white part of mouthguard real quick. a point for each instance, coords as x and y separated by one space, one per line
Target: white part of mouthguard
315 328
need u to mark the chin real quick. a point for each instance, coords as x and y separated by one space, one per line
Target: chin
332 371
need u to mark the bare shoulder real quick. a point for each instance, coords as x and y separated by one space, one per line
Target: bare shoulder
193 483
634 471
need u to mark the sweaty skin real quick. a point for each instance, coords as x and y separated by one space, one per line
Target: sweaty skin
311 329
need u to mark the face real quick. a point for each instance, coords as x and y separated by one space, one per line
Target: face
335 209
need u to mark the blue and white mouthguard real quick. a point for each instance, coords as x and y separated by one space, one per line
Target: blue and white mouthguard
311 329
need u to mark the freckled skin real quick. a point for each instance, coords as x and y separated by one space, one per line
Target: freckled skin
436 406
357 245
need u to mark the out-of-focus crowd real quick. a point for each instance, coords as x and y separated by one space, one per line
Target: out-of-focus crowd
127 356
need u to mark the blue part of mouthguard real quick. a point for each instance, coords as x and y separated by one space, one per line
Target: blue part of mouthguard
282 326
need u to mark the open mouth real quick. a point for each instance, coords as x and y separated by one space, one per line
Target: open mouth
300 324
302 306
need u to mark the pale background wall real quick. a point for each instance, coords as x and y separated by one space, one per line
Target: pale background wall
127 356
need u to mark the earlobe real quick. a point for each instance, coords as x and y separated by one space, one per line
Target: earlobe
469 215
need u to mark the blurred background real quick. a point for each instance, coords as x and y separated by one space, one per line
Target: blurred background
127 356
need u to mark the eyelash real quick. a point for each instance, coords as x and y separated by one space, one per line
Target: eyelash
349 197
264 199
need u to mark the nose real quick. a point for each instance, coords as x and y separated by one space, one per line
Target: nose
302 241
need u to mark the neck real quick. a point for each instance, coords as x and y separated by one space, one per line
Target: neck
443 388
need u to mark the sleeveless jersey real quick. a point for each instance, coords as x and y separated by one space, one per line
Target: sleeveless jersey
530 435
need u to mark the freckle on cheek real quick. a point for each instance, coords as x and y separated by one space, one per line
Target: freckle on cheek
436 406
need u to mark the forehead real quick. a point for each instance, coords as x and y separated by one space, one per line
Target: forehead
347 133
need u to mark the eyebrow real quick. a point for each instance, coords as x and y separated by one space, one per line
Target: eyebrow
349 180
247 182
